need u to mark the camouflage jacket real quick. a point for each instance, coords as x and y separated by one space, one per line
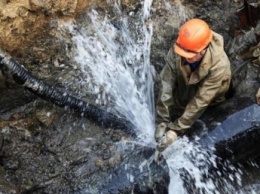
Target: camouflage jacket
193 92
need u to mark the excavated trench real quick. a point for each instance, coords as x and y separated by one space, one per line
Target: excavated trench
50 149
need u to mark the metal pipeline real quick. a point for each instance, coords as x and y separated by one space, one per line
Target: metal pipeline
237 138
26 79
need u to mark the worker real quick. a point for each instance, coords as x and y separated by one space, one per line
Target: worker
196 75
255 54
256 62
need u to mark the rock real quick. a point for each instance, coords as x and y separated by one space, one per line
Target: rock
114 160
46 117
6 187
99 163
1 141
2 81
23 22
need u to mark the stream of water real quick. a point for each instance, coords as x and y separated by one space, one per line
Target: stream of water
116 63
114 54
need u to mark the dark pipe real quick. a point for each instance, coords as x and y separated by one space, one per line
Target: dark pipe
60 98
238 137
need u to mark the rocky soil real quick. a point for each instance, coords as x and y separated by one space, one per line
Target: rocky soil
47 149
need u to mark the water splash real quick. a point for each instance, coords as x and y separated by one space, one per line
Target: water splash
194 169
114 56
116 65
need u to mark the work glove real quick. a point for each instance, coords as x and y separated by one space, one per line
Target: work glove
160 131
167 139
258 96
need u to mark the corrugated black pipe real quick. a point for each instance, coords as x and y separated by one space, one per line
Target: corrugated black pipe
61 98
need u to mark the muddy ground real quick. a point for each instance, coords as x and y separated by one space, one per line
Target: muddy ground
47 149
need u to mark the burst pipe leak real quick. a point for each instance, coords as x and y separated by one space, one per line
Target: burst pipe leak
62 99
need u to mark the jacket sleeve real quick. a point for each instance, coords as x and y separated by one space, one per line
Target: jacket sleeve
207 91
167 84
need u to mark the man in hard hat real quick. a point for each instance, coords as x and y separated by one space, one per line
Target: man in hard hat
196 74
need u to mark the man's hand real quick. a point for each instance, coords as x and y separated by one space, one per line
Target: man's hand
160 131
168 138
164 136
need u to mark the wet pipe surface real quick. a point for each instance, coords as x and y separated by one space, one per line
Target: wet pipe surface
238 137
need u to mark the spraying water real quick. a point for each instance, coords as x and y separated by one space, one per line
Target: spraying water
194 169
116 65
114 56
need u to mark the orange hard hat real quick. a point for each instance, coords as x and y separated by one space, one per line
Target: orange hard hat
194 36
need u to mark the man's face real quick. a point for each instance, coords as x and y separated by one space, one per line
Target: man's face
197 57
